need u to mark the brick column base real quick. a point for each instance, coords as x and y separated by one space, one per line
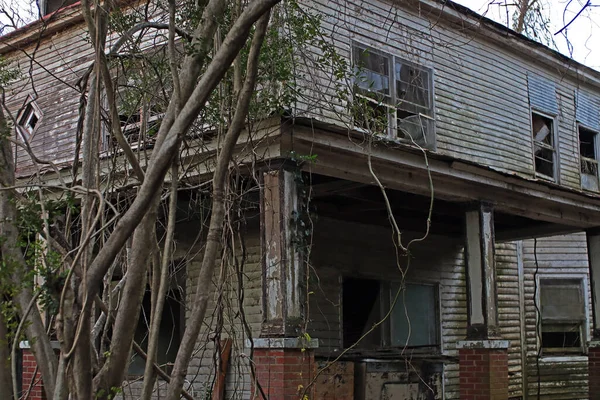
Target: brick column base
32 379
284 369
483 369
594 369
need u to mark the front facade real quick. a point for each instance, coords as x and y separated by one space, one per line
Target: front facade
431 232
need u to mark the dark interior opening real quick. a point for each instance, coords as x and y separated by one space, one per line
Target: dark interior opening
561 339
361 311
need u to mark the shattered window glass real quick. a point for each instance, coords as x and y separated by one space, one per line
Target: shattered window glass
588 160
393 97
543 142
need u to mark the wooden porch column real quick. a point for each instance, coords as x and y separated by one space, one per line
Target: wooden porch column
483 357
593 245
283 278
481 273
284 360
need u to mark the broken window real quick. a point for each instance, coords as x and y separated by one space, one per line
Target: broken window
413 320
544 148
29 119
392 97
588 158
563 319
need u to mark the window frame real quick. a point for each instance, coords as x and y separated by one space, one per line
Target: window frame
385 298
555 148
28 110
392 106
595 160
585 325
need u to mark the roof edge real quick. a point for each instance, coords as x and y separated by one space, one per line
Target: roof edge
40 28
494 32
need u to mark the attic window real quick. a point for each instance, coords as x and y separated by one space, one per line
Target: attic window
588 158
544 148
29 119
562 308
392 97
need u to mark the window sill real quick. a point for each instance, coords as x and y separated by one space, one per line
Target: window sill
574 358
544 177
384 353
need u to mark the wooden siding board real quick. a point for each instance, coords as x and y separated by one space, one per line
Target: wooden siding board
559 256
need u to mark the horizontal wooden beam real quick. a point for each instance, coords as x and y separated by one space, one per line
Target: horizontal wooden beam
453 181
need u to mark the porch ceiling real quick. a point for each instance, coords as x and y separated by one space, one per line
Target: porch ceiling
357 202
523 208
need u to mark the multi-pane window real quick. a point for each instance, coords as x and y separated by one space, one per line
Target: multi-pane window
544 146
393 97
588 158
412 314
563 318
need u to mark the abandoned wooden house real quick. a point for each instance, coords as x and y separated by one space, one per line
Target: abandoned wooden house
490 137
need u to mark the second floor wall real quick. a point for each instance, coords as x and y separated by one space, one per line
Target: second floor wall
486 96
481 91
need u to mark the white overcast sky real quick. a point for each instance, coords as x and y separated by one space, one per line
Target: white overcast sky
582 35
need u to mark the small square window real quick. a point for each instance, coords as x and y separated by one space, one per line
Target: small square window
29 119
588 158
563 318
544 148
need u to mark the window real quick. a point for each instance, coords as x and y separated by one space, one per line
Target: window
563 317
413 320
393 97
588 158
29 119
544 148
171 325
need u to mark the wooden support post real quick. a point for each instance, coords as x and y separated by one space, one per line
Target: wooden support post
593 245
483 358
481 273
283 278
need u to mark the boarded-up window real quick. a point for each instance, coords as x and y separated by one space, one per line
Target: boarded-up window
392 97
588 157
587 110
413 320
542 94
544 148
562 309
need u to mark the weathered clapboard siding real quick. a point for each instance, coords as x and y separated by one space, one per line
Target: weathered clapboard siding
509 312
59 62
201 371
565 378
481 93
50 72
342 249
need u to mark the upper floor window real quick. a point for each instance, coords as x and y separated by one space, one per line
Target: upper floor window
544 108
588 127
393 97
563 316
401 317
588 158
29 119
544 146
